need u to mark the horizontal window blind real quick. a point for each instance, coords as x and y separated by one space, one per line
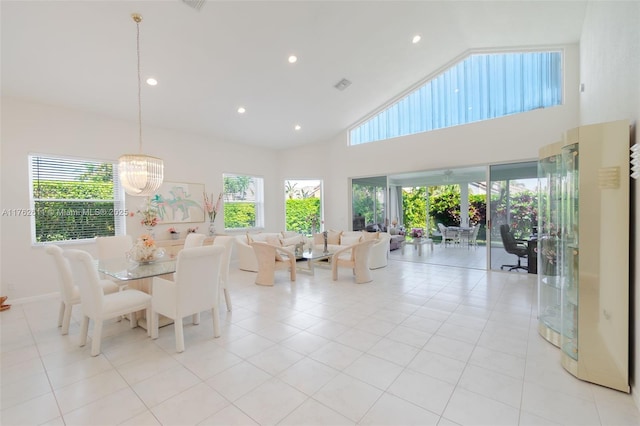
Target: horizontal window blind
481 87
74 199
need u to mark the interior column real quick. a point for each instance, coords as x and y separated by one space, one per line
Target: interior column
464 204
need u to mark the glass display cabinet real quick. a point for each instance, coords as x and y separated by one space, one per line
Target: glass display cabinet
549 249
593 241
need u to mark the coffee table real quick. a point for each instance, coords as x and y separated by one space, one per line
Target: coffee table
313 258
417 243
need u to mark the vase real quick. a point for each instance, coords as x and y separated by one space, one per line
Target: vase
150 231
175 236
325 236
212 229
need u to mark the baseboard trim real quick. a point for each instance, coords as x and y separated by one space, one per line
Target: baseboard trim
23 300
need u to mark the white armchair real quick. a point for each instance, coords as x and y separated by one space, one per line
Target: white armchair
271 258
379 255
246 256
448 234
355 257
247 260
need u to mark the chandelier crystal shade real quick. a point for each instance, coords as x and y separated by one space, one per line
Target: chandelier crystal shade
140 174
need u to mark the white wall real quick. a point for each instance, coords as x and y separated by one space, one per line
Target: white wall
26 271
610 71
30 127
516 137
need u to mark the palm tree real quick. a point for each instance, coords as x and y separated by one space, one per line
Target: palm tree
290 189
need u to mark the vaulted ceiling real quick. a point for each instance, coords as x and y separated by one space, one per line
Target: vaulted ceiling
209 62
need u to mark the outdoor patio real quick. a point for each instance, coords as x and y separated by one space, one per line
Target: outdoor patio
455 255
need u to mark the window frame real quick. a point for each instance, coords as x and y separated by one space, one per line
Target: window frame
258 201
118 212
376 127
319 227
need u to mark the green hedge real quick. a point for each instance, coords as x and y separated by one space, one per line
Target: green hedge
303 215
73 220
444 207
239 215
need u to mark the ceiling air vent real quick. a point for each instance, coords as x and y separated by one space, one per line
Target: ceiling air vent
196 4
342 84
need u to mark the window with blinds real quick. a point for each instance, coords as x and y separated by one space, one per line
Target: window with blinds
74 199
243 201
480 87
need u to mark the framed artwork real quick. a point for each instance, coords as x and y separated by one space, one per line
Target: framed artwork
179 202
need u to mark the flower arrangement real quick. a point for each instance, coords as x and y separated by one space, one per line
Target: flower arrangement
149 215
192 230
417 232
145 250
172 230
212 209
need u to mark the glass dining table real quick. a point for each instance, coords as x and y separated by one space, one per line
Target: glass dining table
125 270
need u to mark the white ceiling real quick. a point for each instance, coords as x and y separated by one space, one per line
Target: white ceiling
81 54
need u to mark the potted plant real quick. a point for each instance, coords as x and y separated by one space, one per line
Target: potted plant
417 232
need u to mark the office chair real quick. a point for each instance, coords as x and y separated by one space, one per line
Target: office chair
512 246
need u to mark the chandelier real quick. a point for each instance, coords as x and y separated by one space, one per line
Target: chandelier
140 174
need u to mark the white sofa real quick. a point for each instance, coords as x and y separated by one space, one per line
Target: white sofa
379 254
247 260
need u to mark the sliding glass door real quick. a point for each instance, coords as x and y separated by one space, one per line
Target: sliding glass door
513 194
369 202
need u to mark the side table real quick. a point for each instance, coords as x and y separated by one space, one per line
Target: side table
417 243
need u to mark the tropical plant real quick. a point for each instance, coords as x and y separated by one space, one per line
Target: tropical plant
290 189
303 215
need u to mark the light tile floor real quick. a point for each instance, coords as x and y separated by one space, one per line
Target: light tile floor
422 344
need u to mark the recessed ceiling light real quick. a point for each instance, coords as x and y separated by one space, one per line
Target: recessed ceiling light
152 81
293 59
297 127
241 110
416 38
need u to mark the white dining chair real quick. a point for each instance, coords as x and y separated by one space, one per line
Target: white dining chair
227 242
194 240
114 246
195 289
98 306
69 292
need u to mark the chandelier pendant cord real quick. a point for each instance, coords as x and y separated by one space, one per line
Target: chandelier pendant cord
138 18
140 175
